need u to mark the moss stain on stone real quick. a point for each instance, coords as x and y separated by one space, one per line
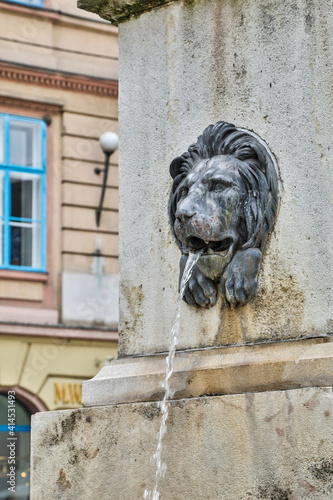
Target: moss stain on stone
134 298
323 471
266 310
274 492
149 412
118 11
62 482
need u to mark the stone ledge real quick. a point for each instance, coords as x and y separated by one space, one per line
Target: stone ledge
232 370
118 11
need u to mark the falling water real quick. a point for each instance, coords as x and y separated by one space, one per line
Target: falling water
168 392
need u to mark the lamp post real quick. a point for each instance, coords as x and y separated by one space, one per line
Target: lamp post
109 143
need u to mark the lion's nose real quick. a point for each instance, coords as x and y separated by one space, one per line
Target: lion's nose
185 214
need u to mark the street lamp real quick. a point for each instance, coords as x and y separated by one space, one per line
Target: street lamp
109 143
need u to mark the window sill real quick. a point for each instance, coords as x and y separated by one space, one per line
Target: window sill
26 4
23 276
23 8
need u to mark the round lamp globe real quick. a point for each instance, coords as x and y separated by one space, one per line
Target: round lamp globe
109 142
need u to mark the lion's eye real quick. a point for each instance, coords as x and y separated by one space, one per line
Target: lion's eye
183 192
217 186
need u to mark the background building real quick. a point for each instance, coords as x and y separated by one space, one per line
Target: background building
58 271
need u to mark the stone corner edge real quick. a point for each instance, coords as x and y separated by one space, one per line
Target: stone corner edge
118 11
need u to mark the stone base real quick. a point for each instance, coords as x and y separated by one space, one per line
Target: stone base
209 372
269 445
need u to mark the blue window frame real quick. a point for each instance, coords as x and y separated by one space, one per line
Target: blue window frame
31 3
22 193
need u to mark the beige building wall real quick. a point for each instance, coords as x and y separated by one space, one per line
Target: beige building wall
61 326
51 369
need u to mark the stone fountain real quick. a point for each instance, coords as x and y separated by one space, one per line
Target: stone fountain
234 99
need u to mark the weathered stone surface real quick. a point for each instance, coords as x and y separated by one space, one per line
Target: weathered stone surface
272 446
265 66
277 366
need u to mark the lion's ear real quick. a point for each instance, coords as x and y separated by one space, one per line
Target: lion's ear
182 164
175 166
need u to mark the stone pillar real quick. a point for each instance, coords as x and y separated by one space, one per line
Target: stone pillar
252 410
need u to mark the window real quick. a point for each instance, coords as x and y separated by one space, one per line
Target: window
22 193
33 3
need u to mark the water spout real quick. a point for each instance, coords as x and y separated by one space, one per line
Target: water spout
168 392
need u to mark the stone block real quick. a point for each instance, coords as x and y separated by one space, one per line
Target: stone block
21 290
272 445
82 263
88 242
264 66
90 298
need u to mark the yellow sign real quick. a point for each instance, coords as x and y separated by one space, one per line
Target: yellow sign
68 393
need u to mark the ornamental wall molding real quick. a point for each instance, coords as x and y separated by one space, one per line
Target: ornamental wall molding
58 332
37 106
72 83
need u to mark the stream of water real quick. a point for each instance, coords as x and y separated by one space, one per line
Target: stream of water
168 392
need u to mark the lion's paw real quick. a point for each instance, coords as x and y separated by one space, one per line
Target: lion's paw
240 280
200 291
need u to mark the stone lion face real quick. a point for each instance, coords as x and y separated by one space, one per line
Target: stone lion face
210 204
224 201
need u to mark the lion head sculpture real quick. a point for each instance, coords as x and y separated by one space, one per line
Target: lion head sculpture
224 203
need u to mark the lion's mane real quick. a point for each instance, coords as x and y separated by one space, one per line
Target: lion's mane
258 172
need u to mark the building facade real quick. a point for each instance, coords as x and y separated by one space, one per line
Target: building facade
58 270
